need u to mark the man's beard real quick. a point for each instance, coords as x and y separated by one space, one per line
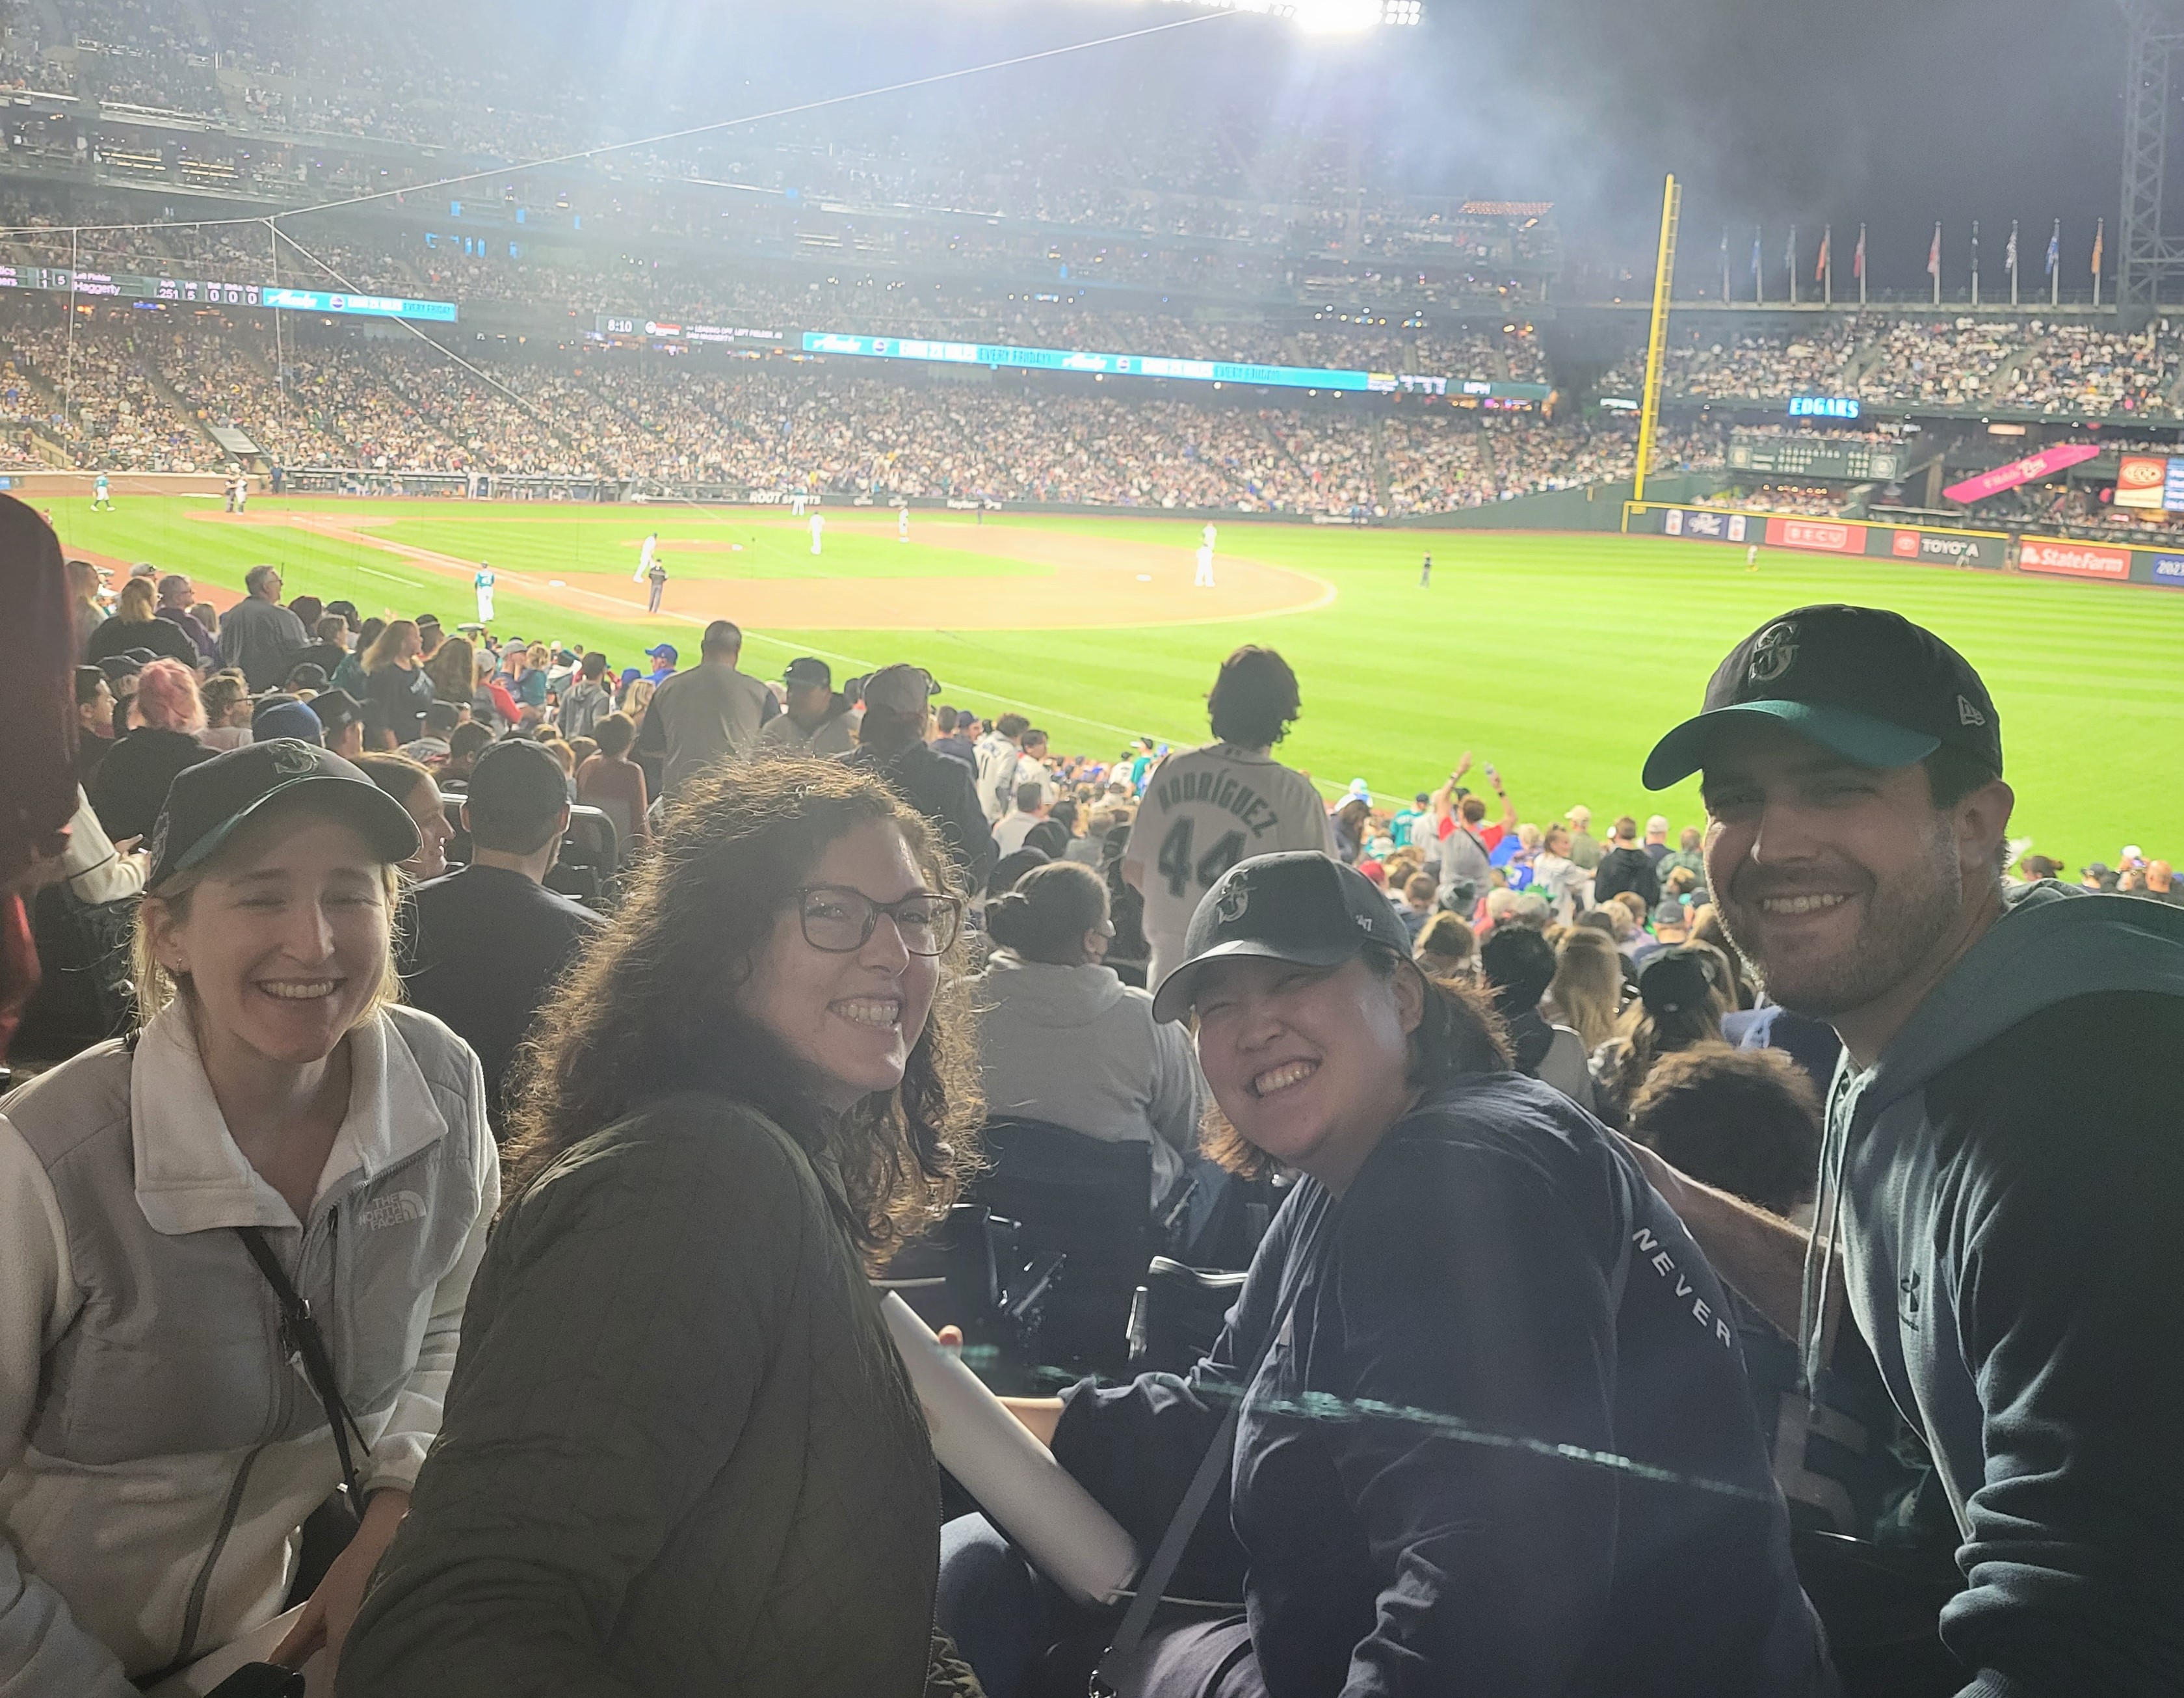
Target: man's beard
1905 917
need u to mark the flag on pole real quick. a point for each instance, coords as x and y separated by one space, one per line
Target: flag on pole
2055 249
1934 255
2100 230
1820 264
1756 261
1858 256
2010 253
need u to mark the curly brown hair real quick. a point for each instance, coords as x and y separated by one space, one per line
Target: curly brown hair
649 1010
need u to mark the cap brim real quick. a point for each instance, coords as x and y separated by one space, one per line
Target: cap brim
385 822
1172 1001
1856 737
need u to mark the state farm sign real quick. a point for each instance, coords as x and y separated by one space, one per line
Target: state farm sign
2074 560
1816 534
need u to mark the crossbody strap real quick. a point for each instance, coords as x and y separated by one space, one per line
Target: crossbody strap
302 1332
1138 1619
1167 1556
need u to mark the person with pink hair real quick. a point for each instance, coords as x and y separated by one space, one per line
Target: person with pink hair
132 782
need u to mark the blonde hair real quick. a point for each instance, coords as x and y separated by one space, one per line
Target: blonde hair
156 987
137 602
392 645
1587 988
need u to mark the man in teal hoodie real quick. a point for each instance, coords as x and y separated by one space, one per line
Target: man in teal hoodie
2001 1181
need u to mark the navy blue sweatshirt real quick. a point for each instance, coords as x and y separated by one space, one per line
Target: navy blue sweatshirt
2010 1178
1469 1271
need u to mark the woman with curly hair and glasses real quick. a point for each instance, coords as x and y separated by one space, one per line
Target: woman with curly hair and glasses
681 1453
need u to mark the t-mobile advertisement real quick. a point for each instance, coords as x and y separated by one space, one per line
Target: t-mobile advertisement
2045 464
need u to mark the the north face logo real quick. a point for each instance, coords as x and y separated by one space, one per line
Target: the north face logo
1775 653
1968 715
394 1210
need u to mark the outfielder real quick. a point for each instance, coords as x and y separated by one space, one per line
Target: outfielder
484 585
818 529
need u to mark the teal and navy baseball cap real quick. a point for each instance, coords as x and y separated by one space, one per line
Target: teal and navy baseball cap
1865 683
1298 907
208 802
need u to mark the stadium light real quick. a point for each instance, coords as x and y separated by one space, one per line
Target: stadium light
1325 17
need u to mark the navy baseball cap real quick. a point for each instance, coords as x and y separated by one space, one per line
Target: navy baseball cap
276 717
810 669
1298 907
207 802
1862 682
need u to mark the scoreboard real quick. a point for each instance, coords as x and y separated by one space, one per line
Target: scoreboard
1816 457
205 292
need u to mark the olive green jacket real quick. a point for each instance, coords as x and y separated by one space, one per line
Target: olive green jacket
680 1455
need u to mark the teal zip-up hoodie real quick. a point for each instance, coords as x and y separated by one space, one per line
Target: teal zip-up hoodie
2010 1181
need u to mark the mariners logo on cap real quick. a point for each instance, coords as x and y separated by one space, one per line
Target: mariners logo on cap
1232 901
1775 654
292 758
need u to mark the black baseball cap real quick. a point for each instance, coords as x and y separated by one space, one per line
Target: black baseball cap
810 669
1676 980
1298 907
206 802
337 710
1865 683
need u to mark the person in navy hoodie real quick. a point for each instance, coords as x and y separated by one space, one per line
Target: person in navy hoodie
1500 1444
2001 1176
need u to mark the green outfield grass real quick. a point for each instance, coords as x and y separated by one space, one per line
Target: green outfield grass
1558 657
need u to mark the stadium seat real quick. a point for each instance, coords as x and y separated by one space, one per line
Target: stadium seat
1087 1200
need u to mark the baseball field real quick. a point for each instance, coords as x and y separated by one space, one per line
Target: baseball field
1558 657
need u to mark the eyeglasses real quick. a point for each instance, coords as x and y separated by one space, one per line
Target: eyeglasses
838 920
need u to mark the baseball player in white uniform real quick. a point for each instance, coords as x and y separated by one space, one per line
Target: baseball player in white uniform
644 557
818 530
1204 578
484 585
902 523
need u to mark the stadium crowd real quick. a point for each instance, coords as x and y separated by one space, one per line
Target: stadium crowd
922 916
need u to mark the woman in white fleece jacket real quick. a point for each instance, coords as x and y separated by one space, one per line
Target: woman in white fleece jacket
160 1445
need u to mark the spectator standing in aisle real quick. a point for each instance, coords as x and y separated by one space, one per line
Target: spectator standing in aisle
817 719
1626 866
891 745
396 691
488 943
714 712
2000 1184
258 636
1207 809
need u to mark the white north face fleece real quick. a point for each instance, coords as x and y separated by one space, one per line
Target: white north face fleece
159 1448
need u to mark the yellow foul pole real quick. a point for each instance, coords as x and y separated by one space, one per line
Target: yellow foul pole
1664 271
